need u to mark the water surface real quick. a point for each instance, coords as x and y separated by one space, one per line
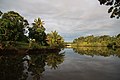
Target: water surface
68 64
77 66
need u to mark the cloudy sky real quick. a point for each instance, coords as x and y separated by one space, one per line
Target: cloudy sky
71 18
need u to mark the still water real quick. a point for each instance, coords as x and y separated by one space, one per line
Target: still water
68 64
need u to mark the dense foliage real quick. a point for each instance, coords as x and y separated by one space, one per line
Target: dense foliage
13 28
54 39
37 32
114 7
104 40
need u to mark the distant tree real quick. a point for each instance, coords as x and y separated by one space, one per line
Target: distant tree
12 26
37 32
114 7
104 40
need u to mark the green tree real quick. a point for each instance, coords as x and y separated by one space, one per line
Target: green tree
54 39
37 32
12 27
114 7
104 40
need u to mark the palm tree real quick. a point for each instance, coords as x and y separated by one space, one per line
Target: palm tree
54 39
38 23
37 32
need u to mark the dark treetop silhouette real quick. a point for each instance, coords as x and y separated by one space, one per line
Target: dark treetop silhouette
114 7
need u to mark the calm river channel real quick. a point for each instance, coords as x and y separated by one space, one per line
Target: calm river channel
68 64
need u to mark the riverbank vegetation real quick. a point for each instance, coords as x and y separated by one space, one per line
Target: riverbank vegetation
16 32
97 41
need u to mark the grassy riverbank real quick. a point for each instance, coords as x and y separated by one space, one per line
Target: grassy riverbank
25 48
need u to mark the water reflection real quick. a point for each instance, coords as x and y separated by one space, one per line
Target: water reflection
99 51
54 60
10 67
28 67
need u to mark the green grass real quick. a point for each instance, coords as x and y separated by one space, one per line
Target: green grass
22 45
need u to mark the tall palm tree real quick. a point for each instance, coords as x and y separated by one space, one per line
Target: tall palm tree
38 23
37 32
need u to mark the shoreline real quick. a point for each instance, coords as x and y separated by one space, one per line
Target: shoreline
29 51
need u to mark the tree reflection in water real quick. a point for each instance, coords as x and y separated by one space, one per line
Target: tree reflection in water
28 67
54 60
99 51
10 67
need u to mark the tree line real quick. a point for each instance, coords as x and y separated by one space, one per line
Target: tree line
100 41
13 28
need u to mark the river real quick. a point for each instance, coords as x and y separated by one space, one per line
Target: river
68 64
